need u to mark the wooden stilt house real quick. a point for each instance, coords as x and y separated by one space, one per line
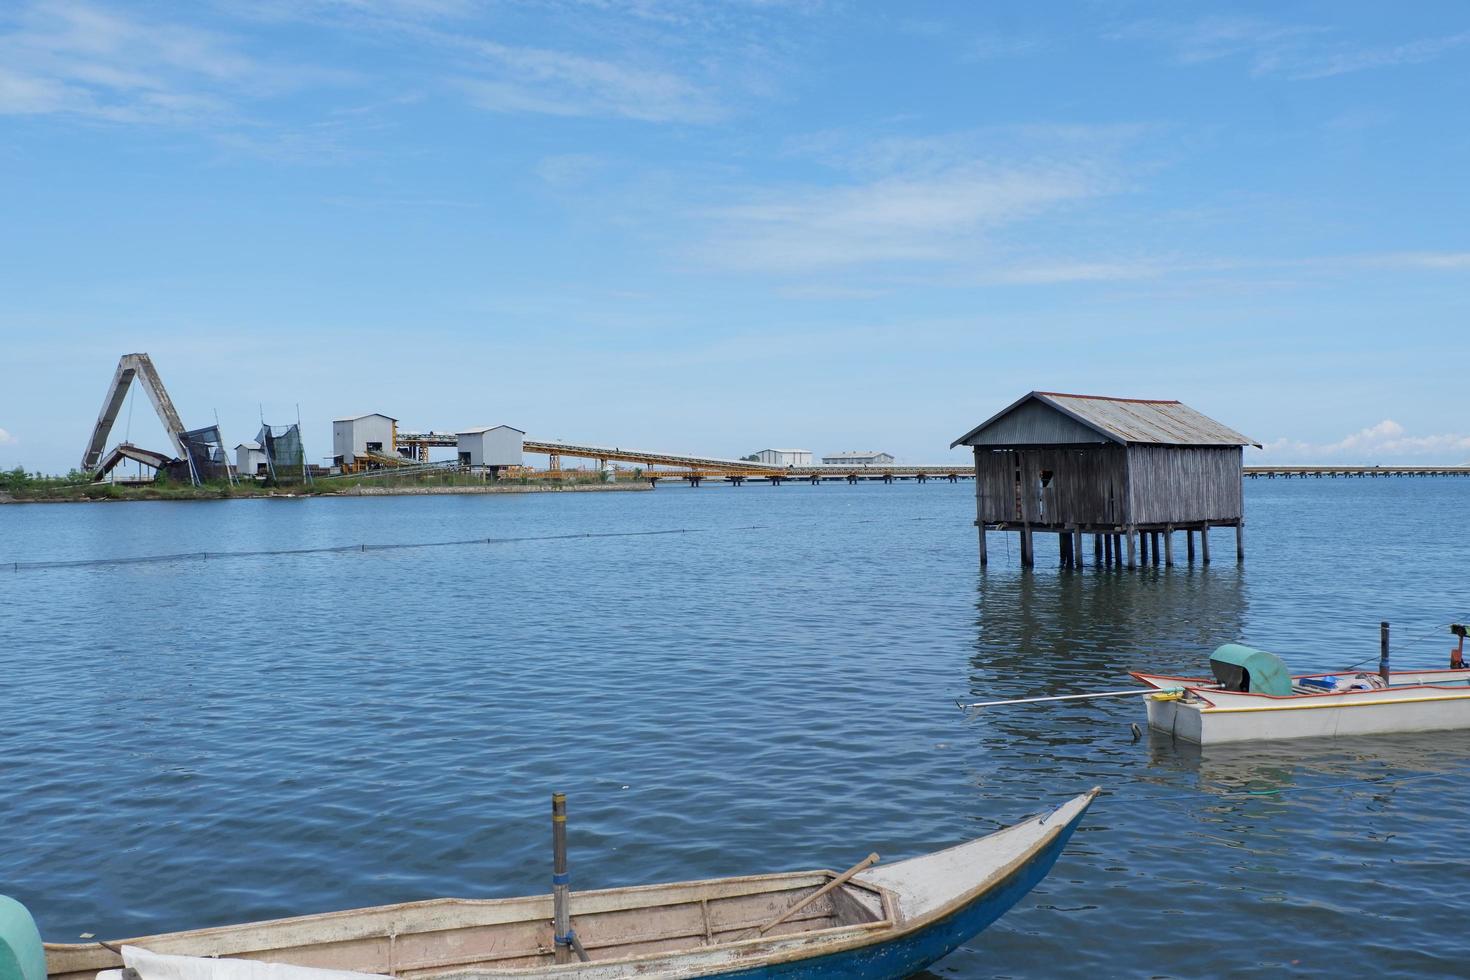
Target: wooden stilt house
1129 472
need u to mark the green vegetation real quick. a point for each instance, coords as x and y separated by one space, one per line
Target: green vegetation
18 484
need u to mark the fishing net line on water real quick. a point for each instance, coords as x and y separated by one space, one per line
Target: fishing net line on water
20 566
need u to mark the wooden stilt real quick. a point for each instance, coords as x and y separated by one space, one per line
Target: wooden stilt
1108 549
1240 541
1142 548
1028 557
1153 546
1117 549
1097 550
1189 543
1130 534
1204 544
983 556
1077 549
1169 546
1064 547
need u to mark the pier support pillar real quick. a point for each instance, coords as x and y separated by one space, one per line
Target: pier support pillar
1108 550
1189 545
1077 549
984 558
1097 550
1204 544
1169 546
1240 541
1132 548
1153 546
1028 557
1142 549
1064 546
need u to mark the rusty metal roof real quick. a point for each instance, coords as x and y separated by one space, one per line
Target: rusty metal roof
1143 421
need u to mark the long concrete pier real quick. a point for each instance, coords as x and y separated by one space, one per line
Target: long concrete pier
1302 472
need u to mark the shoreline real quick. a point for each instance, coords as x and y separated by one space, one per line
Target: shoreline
195 496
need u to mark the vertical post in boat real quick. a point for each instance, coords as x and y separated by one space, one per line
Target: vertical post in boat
560 879
1383 651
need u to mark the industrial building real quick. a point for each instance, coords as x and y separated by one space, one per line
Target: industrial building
1125 470
358 438
490 447
859 459
784 457
250 460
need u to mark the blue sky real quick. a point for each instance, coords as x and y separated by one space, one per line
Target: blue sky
720 226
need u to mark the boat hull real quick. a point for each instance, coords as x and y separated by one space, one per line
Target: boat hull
883 923
1212 717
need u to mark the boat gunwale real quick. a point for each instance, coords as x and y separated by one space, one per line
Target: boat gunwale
1203 692
373 913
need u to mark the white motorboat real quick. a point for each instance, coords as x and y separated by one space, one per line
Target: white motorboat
1252 697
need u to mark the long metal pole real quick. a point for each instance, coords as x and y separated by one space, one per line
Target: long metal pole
1079 697
560 879
1383 651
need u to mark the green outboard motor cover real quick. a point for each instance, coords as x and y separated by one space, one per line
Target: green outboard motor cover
1242 668
22 957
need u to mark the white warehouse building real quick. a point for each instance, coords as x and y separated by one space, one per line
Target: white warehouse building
785 457
358 435
869 458
491 446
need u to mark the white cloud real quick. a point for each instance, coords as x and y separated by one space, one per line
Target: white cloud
1387 439
84 60
6 439
1295 51
938 216
559 83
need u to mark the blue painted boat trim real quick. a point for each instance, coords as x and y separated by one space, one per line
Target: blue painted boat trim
895 957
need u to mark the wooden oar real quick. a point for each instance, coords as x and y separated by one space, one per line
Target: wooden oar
1079 697
841 879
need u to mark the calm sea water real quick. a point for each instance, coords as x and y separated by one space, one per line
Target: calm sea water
199 742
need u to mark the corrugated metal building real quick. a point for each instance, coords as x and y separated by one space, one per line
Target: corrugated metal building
491 446
1129 471
357 437
785 457
870 458
250 460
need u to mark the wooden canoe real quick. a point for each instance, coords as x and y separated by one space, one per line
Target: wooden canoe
884 923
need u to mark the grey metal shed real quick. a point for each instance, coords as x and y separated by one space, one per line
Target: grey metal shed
1128 471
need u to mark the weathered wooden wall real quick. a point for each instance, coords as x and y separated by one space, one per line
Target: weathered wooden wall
1088 485
1108 486
1176 485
